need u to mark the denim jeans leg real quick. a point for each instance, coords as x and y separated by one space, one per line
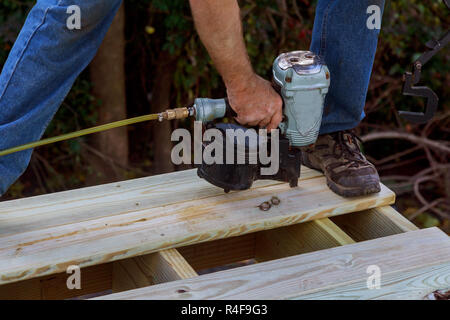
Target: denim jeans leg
41 68
342 38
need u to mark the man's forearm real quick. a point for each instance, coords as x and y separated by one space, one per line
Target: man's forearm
219 25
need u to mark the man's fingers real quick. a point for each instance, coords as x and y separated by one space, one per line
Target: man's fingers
241 120
275 121
264 122
248 120
253 123
258 105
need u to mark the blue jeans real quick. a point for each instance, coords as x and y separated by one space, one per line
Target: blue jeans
341 36
47 57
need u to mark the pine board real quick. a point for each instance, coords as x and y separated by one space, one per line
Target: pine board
412 265
44 235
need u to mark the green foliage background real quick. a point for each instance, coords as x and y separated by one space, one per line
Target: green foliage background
270 28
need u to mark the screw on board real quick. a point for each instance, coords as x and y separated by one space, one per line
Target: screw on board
265 206
275 201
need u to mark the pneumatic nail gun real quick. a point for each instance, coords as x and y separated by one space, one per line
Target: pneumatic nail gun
302 79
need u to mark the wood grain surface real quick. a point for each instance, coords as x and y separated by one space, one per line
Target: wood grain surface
44 235
412 264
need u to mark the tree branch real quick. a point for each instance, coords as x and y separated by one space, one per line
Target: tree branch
441 146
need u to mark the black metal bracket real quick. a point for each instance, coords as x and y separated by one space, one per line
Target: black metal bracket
412 78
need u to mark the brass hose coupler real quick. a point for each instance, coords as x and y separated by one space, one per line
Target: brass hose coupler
171 114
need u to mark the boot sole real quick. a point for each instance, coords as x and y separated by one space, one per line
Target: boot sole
348 192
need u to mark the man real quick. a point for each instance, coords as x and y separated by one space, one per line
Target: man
47 57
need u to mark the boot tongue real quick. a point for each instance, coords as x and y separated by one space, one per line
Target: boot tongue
348 144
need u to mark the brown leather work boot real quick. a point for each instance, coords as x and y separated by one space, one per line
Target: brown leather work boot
339 157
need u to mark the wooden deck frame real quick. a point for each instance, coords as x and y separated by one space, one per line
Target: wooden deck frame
263 237
170 265
337 273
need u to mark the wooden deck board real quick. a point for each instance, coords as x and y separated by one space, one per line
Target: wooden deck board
52 210
44 235
413 284
412 265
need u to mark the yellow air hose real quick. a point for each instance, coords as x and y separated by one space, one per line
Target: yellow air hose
80 133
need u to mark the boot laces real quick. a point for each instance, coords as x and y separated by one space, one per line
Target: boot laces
343 141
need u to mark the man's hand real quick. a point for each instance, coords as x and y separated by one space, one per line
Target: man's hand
256 103
219 26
